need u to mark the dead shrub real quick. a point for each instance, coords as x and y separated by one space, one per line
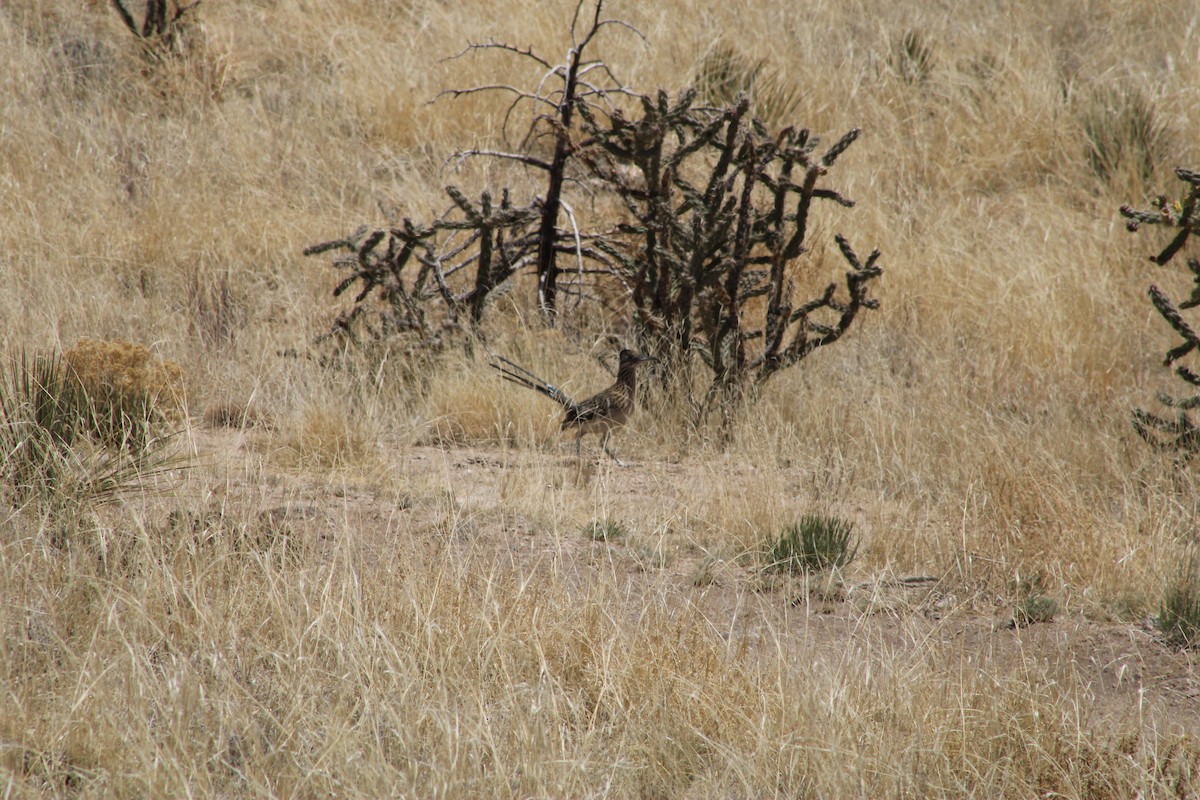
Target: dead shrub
133 393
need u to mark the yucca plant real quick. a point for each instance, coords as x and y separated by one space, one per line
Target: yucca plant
41 415
49 447
815 543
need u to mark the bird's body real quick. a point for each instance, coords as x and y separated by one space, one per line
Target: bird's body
602 413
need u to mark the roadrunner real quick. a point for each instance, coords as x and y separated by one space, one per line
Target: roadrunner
600 413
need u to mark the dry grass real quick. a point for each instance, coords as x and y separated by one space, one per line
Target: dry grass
384 590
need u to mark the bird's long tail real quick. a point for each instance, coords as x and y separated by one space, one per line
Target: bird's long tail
519 375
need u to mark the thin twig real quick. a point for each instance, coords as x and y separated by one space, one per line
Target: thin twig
494 45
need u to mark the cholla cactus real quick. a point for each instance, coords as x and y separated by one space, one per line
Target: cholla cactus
493 240
161 28
1181 433
722 209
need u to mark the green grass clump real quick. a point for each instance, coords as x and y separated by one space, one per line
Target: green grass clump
912 57
816 543
1034 603
1123 128
1179 618
604 531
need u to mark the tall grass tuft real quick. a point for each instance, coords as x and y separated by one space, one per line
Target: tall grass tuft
1179 617
725 74
603 530
912 57
1124 131
816 543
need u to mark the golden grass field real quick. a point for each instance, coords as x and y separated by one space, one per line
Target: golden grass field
375 578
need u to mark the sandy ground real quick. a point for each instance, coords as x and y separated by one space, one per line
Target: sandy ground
1125 672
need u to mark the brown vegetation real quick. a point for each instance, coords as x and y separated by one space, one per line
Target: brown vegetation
400 582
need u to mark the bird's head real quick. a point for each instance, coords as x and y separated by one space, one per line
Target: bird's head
632 357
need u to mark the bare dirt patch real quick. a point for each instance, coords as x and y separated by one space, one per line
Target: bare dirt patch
1123 670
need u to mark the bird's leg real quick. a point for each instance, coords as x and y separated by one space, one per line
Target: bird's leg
611 454
578 441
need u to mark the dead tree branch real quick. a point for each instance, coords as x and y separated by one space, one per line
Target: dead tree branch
574 89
